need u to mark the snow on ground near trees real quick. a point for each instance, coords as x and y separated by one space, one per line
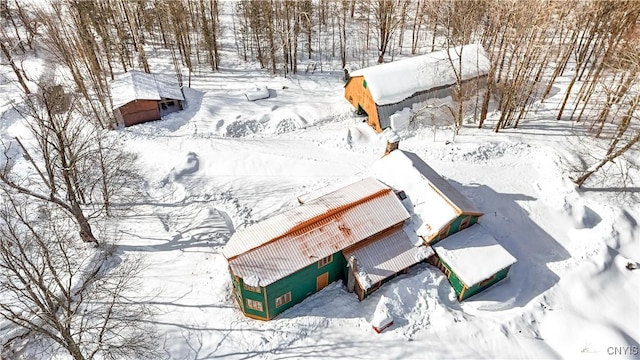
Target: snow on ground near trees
226 162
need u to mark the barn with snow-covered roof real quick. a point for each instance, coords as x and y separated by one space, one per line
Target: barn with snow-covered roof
382 90
140 97
280 261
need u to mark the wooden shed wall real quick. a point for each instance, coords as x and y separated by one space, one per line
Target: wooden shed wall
357 94
138 111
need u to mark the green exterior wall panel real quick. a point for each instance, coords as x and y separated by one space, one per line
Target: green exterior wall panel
454 226
455 282
302 283
248 294
475 289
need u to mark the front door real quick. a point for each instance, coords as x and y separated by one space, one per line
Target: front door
322 281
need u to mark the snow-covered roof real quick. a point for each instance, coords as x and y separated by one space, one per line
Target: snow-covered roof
435 201
386 257
473 254
138 85
393 82
290 241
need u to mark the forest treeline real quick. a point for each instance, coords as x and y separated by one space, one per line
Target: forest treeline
72 175
595 44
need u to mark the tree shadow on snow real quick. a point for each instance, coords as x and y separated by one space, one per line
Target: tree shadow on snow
531 245
211 232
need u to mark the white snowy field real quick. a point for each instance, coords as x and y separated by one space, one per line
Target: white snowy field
225 162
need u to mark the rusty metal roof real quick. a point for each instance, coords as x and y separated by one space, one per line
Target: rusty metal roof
385 257
290 241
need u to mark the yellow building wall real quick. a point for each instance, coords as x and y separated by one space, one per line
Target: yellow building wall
357 94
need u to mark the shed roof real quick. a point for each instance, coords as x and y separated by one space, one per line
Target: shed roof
138 85
435 201
290 241
395 81
473 254
385 257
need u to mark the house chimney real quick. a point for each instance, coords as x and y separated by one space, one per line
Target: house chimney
393 140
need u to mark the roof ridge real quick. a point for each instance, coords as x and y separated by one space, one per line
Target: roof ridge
317 219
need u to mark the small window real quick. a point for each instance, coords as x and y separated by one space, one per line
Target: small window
465 222
170 103
325 261
364 84
254 305
444 233
484 283
251 288
284 299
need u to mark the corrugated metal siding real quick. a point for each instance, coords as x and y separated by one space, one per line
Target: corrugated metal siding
386 257
281 224
385 111
277 259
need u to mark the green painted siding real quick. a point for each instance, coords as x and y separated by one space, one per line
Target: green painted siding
454 227
248 294
302 283
476 288
455 282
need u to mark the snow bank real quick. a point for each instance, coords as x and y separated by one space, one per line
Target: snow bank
400 120
257 92
382 319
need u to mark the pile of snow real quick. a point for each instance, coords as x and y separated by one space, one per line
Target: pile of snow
382 319
400 120
257 92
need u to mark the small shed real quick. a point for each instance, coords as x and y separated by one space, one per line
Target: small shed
472 260
382 90
437 209
140 97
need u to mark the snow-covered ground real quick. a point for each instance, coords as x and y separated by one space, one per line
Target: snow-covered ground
225 162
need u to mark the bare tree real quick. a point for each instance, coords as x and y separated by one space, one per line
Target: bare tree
65 294
621 110
78 168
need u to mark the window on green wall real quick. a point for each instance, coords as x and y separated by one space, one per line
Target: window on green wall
325 261
251 288
284 299
254 305
465 222
364 84
444 233
485 282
